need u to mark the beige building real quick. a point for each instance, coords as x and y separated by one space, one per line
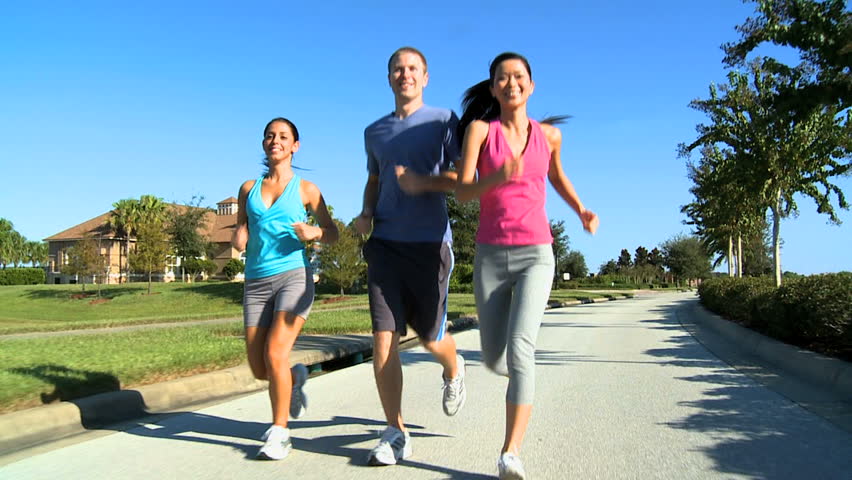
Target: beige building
220 227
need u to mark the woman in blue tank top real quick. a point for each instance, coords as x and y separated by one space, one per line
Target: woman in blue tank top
279 288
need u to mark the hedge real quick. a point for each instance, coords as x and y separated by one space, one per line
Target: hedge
816 308
22 276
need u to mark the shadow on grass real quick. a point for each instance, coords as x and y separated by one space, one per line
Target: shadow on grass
231 291
108 292
68 383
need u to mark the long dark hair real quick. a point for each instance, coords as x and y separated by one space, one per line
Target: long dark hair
295 139
479 104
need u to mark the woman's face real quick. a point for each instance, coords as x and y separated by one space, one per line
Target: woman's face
512 84
279 142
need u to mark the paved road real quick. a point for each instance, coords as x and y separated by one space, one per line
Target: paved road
623 392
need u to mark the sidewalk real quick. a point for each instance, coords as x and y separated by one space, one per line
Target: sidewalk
35 426
623 387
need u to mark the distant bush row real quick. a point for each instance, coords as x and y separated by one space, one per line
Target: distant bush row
804 310
22 276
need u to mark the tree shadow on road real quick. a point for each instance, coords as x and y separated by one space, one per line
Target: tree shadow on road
752 431
342 445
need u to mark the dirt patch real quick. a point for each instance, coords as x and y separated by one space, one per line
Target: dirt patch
99 300
80 296
341 298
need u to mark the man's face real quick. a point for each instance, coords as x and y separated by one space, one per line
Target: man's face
408 76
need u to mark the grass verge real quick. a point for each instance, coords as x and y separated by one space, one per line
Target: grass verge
35 371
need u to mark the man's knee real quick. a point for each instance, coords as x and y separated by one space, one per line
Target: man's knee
259 371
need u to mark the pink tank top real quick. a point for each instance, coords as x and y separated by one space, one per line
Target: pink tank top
513 213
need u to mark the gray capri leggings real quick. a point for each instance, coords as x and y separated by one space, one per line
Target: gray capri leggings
511 285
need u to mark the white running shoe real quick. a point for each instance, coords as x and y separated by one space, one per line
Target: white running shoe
455 393
394 445
298 400
509 467
277 444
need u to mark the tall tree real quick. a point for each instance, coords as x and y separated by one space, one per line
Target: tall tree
608 268
724 207
464 219
185 226
778 154
84 261
641 256
6 229
821 31
124 219
686 257
756 248
341 263
152 247
17 248
624 261
561 245
575 265
35 252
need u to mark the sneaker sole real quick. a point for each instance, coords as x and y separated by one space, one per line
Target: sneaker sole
265 457
375 462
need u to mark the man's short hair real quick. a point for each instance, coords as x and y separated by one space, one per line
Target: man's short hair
407 50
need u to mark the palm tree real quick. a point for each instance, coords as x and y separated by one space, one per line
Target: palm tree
17 247
6 229
124 220
35 252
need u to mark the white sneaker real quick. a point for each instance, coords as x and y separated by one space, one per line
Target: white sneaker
394 445
509 467
298 400
455 393
277 444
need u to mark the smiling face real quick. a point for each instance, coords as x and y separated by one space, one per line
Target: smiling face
279 142
512 84
407 76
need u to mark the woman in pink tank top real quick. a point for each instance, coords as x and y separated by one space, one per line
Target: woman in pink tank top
506 157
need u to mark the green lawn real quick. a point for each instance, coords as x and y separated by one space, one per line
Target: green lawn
40 370
34 308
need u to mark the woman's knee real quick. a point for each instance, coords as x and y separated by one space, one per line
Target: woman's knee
496 363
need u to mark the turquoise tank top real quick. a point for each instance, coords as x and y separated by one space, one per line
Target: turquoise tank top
273 246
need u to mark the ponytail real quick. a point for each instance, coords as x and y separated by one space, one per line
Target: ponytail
477 104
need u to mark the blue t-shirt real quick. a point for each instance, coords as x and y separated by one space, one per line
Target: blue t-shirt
426 143
273 246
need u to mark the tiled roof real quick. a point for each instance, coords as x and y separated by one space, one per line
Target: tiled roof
228 200
95 226
219 227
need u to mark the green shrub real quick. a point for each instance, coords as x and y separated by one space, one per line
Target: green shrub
567 284
461 280
817 307
233 267
22 276
209 267
804 310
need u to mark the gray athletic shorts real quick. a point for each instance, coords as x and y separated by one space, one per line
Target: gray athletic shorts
291 291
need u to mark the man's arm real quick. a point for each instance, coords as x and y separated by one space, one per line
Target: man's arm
364 221
414 184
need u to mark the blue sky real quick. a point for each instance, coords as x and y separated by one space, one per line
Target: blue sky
101 101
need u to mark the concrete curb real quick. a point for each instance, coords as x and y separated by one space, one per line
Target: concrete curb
28 428
830 373
35 426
